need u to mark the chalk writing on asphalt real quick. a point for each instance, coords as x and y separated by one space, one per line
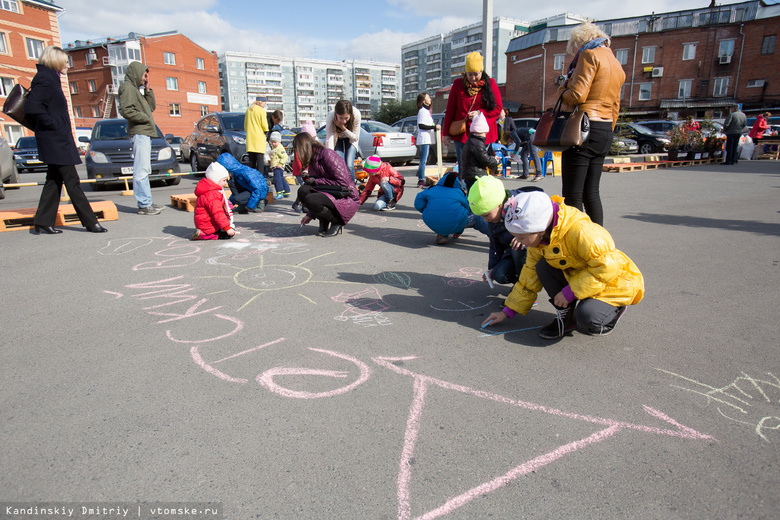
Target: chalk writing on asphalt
748 400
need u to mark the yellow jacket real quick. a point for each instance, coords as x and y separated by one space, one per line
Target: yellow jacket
256 126
595 84
586 254
278 156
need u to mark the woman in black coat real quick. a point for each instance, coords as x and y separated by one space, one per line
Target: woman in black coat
47 108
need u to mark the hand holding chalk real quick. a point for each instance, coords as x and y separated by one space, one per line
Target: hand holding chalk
488 322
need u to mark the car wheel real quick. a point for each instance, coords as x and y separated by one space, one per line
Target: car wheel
173 182
194 162
646 148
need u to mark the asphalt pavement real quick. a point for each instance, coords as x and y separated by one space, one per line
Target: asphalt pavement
287 376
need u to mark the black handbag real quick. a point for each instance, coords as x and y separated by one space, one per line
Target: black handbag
336 190
14 105
559 130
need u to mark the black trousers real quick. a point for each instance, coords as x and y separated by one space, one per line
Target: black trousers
56 176
257 161
319 204
581 171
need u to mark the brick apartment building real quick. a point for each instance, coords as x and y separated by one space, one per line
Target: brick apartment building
183 75
694 62
26 28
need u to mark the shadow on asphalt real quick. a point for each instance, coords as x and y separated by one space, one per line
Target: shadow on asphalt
749 226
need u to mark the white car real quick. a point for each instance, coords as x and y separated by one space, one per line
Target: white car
376 138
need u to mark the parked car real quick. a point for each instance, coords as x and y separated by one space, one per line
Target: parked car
175 142
526 122
661 126
397 148
184 148
648 141
409 125
110 155
26 155
8 172
215 134
623 145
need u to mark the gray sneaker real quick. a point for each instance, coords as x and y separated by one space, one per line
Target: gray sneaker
149 210
155 206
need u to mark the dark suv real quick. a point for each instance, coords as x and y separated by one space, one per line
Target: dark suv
110 155
214 135
26 155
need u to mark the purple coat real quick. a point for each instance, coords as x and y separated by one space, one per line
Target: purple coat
328 167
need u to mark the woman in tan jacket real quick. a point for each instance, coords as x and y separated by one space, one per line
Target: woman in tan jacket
593 85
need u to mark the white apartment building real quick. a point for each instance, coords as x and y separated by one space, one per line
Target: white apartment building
434 62
306 88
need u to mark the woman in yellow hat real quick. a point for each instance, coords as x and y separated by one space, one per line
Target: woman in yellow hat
470 94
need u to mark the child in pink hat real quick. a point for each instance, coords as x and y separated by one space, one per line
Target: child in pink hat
390 182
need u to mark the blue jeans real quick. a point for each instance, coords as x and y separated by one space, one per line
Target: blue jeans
142 167
280 183
458 151
528 150
387 195
348 151
508 269
424 149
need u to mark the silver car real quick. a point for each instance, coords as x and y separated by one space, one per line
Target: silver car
377 138
8 171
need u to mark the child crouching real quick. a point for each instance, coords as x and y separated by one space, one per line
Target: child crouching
213 215
390 182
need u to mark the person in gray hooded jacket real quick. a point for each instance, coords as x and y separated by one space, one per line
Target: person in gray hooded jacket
137 107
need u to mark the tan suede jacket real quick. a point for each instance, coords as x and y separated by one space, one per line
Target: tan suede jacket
595 84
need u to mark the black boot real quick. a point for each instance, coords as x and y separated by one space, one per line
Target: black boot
327 219
324 224
565 321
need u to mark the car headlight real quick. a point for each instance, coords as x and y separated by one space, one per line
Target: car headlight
164 154
98 157
239 140
665 141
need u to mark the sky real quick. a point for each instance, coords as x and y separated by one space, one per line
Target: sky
333 29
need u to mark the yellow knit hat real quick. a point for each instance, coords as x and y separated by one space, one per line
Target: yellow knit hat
474 62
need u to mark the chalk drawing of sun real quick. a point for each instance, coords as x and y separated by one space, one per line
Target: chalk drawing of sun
265 278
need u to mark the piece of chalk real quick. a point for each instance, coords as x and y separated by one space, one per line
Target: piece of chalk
489 281
486 324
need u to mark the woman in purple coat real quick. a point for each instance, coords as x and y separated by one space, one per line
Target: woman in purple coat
47 108
328 192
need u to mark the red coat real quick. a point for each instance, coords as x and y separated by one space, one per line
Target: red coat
385 172
458 107
759 127
210 215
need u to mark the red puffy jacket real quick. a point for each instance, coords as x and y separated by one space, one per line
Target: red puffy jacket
385 172
210 214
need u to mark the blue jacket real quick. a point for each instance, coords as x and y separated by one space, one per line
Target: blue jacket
444 207
245 177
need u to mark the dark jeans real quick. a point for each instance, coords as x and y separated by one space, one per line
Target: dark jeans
56 176
508 269
591 313
581 171
257 161
732 145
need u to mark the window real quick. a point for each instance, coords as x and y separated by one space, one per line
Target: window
88 58
726 48
169 58
645 91
172 83
174 109
200 63
768 46
95 111
34 48
91 86
684 90
74 87
720 87
756 83
648 54
689 51
77 111
3 46
70 61
6 84
9 5
558 61
202 87
622 56
204 110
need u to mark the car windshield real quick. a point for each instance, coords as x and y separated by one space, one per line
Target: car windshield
233 122
114 130
373 127
175 140
642 129
26 142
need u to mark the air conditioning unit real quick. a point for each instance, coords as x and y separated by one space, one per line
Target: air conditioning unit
725 59
658 72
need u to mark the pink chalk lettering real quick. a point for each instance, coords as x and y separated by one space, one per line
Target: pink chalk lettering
238 326
189 313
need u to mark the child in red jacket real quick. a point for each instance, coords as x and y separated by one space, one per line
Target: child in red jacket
213 214
390 182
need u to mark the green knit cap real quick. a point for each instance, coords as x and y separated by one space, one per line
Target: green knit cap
372 164
486 194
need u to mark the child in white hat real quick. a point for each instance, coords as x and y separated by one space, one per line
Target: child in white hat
213 214
474 158
277 160
589 281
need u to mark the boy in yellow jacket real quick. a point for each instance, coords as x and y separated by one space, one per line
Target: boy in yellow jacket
277 160
589 281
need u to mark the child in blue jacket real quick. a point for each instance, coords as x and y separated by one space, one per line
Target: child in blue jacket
445 209
248 187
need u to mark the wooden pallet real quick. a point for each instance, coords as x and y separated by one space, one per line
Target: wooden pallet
187 201
14 219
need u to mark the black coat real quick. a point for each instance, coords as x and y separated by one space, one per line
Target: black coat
47 108
474 159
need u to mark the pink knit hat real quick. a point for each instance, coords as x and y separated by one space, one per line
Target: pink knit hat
479 124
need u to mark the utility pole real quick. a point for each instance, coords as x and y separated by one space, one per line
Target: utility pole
487 35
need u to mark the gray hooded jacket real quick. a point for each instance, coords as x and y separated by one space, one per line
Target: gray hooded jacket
136 107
